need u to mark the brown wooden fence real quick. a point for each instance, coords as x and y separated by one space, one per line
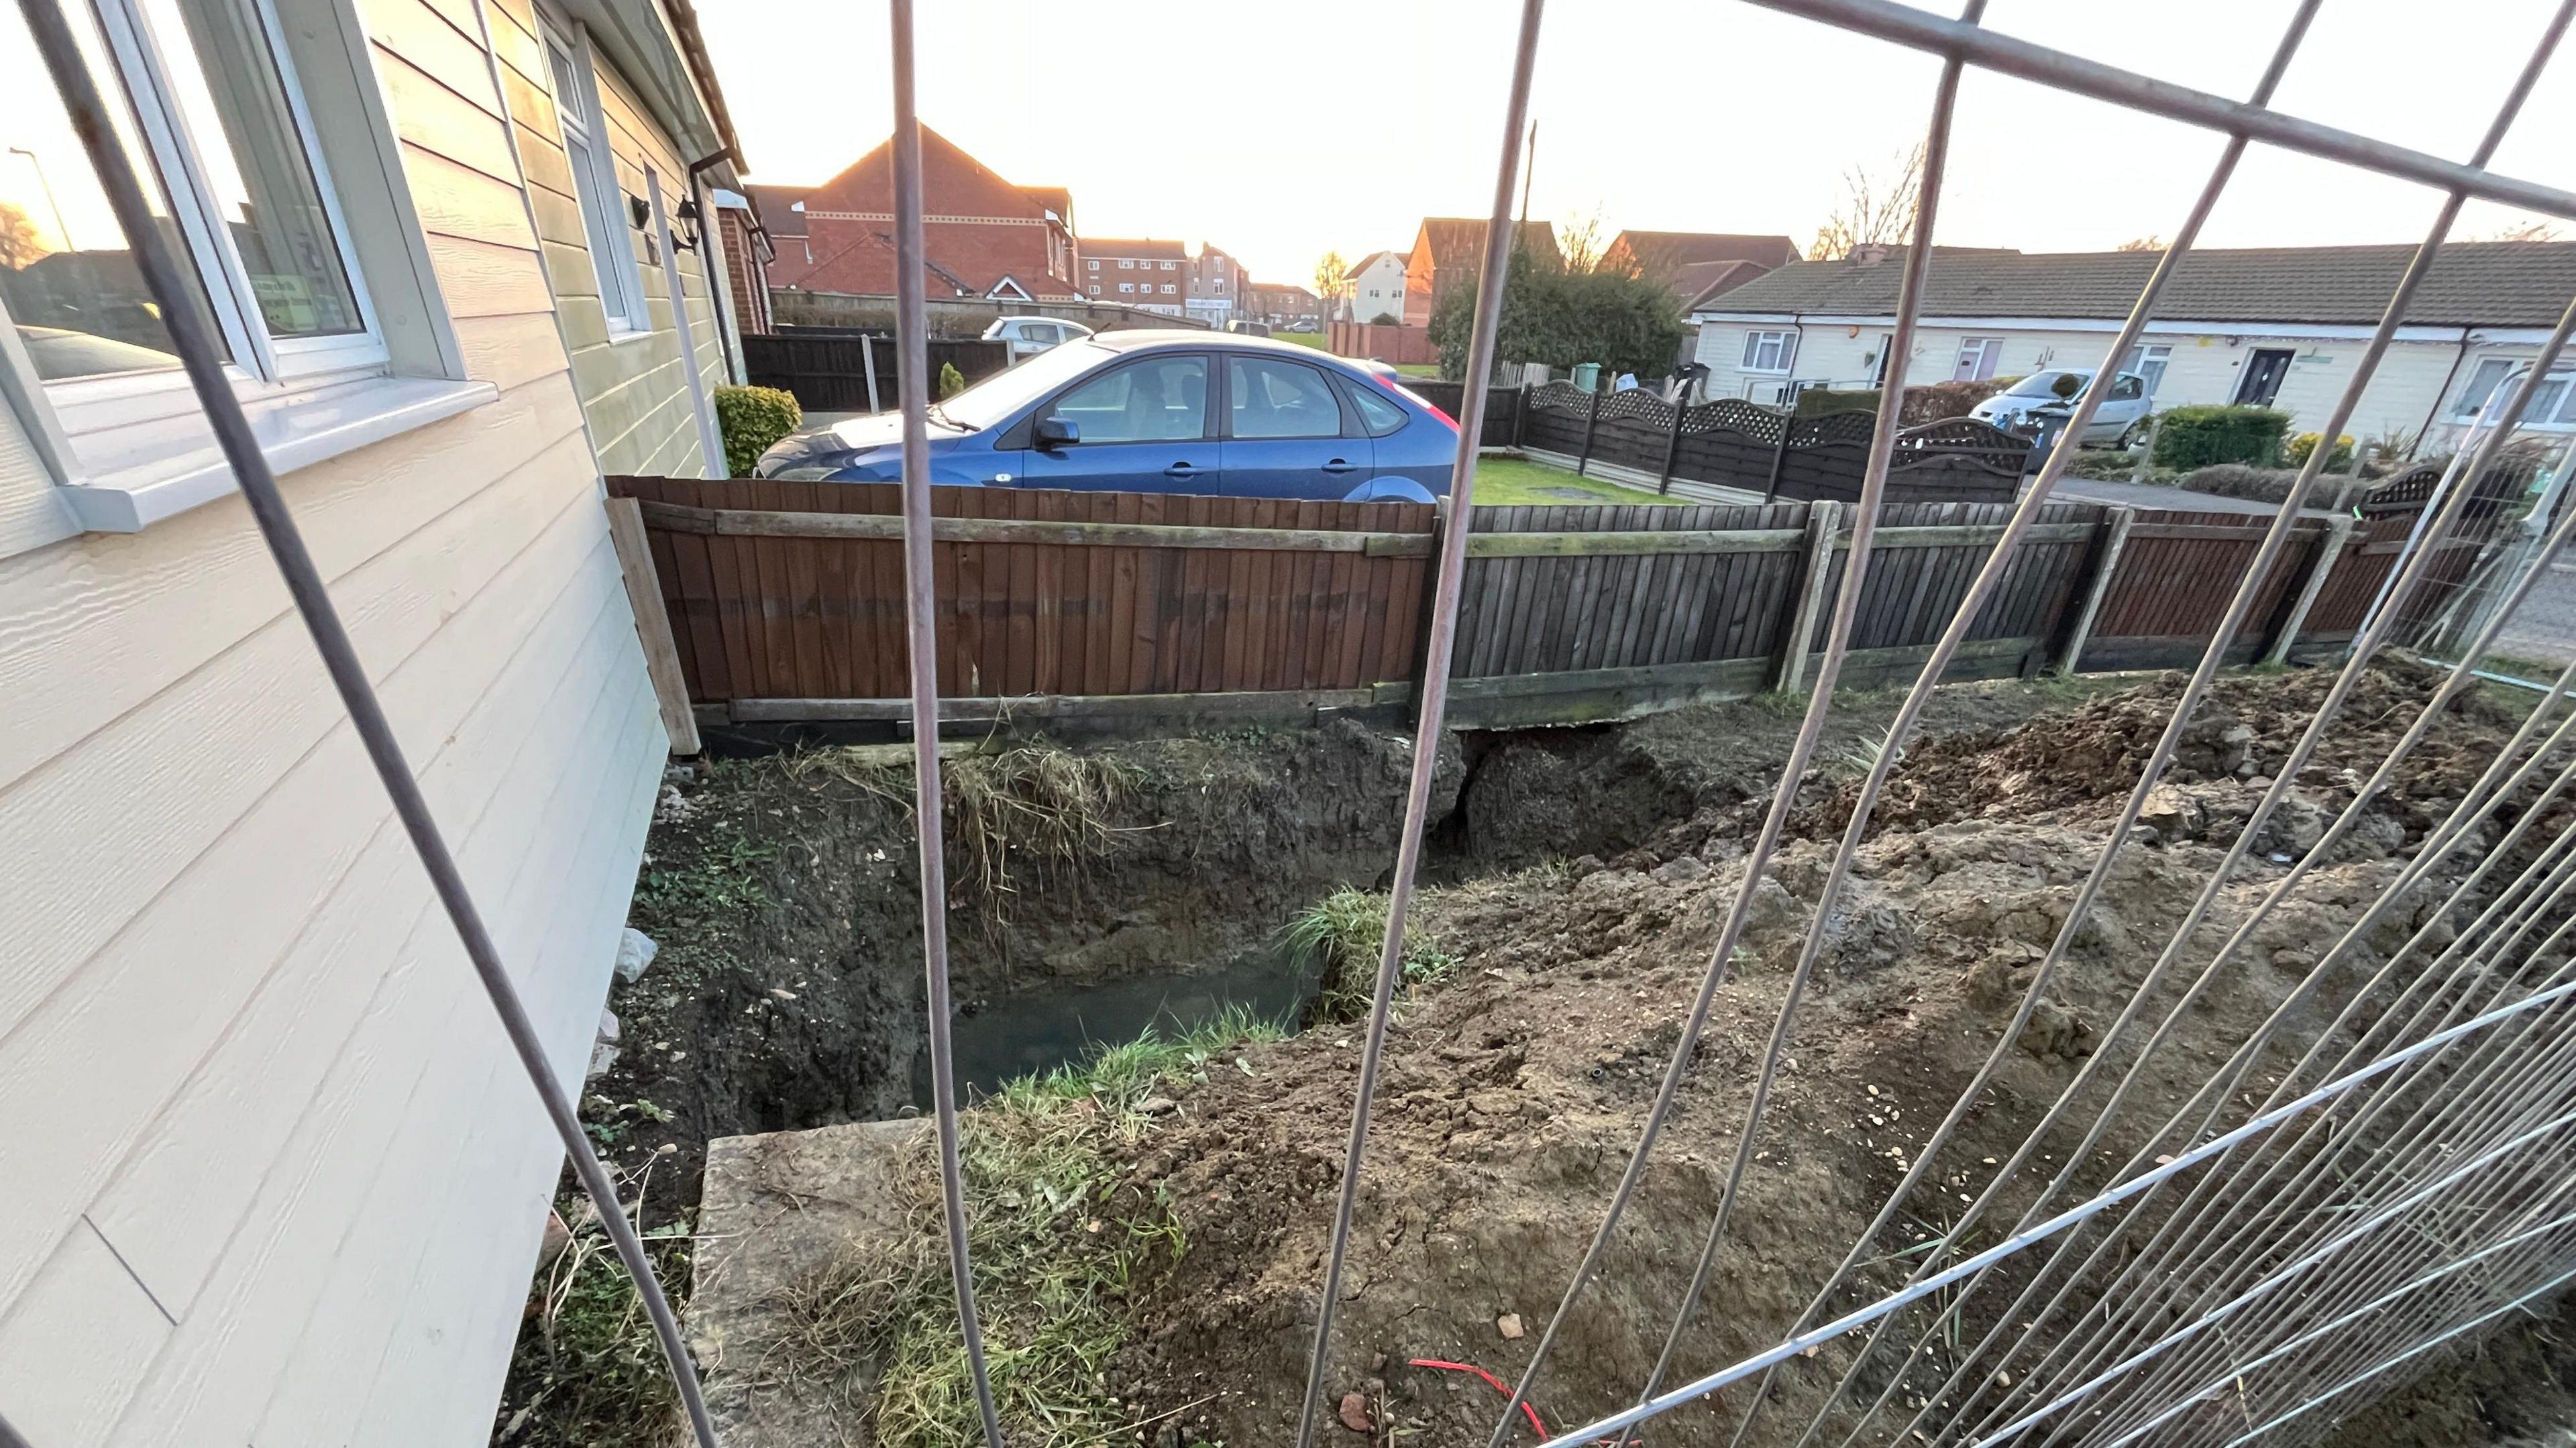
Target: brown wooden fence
769 602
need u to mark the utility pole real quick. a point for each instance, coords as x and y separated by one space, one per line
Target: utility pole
1529 167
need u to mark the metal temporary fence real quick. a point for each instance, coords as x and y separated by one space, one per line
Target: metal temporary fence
2407 1180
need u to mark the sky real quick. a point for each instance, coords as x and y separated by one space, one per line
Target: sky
1280 131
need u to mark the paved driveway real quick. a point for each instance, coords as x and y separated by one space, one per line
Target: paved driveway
2544 628
2147 495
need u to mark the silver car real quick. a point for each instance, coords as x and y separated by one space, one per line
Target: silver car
1029 336
2049 395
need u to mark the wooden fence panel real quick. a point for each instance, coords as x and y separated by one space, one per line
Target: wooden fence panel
1914 588
2175 580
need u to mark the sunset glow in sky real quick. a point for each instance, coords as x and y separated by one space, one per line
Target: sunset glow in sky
1277 131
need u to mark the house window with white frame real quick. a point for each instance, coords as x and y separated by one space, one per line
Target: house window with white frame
1127 264
1128 287
594 176
2552 405
205 98
1095 263
1769 351
2149 362
1977 359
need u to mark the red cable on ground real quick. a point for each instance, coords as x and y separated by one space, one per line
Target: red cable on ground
1499 1386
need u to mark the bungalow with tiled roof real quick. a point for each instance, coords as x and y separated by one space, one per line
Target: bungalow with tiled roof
2277 326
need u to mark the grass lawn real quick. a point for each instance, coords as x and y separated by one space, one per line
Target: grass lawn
1417 369
1513 482
1302 339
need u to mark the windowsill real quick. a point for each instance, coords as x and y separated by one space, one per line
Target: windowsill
628 334
137 478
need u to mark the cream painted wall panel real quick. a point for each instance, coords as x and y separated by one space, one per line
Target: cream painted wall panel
102 1052
483 280
511 352
462 202
184 1155
431 44
85 1326
429 115
343 1344
131 648
261 1297
31 512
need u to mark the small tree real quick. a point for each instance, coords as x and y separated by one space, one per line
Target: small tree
1332 279
19 244
1877 209
1561 318
2149 242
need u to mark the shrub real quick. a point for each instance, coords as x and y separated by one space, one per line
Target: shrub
2264 485
2195 437
1562 317
2306 443
1816 401
751 418
1386 319
951 381
1937 401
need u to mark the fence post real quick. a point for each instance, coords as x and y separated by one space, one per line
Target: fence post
1672 447
1824 521
1591 420
652 624
1520 411
2338 534
868 364
2115 537
1780 456
2147 455
1421 667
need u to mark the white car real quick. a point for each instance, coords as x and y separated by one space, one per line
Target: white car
1029 336
2049 396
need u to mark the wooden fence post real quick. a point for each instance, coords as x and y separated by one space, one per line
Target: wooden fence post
2337 534
652 623
1442 511
868 361
1780 457
1672 447
2115 537
1520 411
1817 560
1591 420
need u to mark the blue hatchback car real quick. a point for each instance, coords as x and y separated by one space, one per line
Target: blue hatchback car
1164 412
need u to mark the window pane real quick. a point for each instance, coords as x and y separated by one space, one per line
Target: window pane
1282 399
2481 382
224 80
1381 415
66 277
1155 401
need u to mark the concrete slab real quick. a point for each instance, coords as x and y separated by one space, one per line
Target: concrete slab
775 1210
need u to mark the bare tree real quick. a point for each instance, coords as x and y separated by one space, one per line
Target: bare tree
2535 230
1578 240
1878 208
19 243
2149 242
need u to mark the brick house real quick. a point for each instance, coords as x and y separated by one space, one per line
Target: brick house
1445 255
1697 265
1286 304
985 236
1137 272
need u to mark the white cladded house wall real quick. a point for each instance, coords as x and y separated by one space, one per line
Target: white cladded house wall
1767 337
269 1172
1376 286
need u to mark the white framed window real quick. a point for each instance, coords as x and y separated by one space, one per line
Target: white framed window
1127 286
1167 266
206 97
2149 362
2553 403
1977 359
1095 263
604 212
1095 289
1769 351
1126 264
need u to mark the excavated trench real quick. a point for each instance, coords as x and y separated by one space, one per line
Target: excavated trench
1580 875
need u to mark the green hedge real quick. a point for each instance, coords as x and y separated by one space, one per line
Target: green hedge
2196 437
751 418
1817 401
2306 443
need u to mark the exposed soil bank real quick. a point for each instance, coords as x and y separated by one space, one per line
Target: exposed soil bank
1584 872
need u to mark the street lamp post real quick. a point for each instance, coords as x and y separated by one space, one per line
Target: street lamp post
48 186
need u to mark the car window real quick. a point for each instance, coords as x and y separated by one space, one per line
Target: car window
1281 399
2039 384
994 399
1158 399
1379 415
1042 332
2127 389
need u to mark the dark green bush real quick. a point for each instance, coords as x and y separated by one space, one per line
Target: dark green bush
2197 437
751 418
1816 401
1563 317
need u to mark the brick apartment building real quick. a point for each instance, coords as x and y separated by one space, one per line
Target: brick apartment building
1136 272
1219 288
984 236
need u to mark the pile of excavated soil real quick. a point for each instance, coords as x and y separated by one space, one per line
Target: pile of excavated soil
1510 1100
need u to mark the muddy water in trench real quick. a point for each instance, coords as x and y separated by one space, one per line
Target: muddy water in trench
1038 1029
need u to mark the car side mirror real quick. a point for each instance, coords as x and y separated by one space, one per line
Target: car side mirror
1055 432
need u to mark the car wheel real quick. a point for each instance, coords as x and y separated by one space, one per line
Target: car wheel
2128 437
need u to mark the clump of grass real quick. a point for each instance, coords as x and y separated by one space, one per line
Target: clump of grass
1037 803
587 1367
725 876
1346 932
1055 1247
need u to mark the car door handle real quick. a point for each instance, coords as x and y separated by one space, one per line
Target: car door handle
1183 470
1341 465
